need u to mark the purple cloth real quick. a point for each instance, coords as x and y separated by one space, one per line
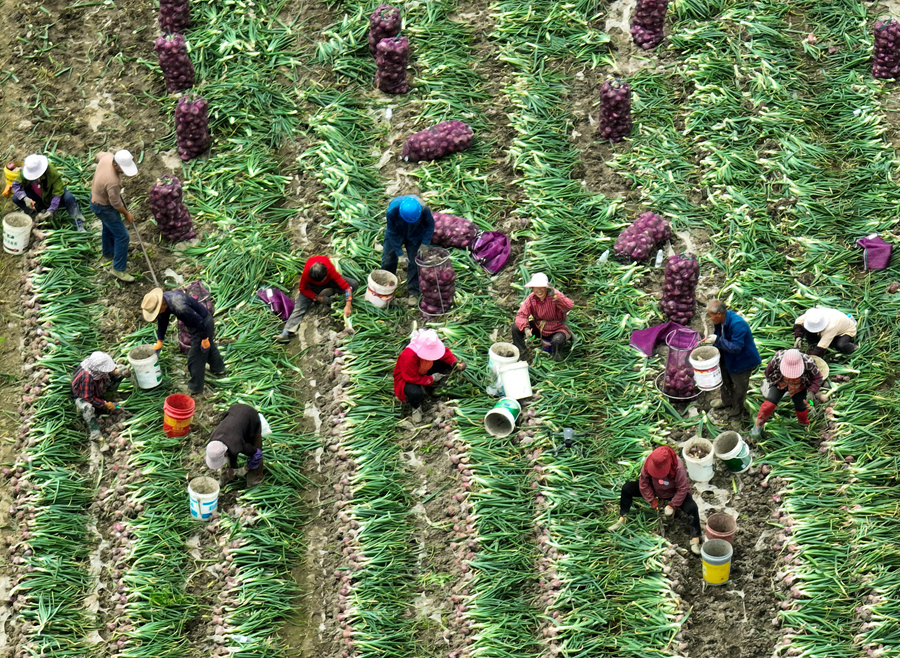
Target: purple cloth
278 301
877 252
646 340
491 250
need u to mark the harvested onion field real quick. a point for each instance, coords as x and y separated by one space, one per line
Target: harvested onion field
758 132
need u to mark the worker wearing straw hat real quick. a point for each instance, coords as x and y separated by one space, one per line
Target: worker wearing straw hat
107 204
824 328
793 373
663 478
161 306
420 367
94 378
410 224
39 190
543 314
240 432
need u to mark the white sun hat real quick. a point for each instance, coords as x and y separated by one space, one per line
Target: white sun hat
125 161
815 320
34 167
539 280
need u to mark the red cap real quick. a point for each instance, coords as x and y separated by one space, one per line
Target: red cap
659 463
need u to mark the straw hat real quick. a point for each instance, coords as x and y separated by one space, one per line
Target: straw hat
34 167
152 303
125 161
427 345
815 320
792 364
539 280
216 453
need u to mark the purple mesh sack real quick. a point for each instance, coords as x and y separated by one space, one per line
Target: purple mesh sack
437 142
171 215
680 288
453 231
199 292
491 250
384 22
642 236
280 303
876 252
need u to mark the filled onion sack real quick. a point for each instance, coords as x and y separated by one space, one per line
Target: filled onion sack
172 52
615 110
886 53
437 280
453 231
171 215
439 141
679 380
649 22
384 22
174 16
680 288
392 56
637 242
192 126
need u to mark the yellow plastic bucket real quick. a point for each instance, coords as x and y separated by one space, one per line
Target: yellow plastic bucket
716 556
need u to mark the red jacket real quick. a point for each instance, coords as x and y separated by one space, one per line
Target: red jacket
331 275
407 371
674 490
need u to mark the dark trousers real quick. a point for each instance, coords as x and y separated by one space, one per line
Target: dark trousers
799 399
302 303
415 393
843 344
389 259
734 389
632 490
68 200
557 340
197 357
115 238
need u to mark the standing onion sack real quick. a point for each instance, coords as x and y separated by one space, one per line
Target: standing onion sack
437 280
174 16
453 231
192 127
680 288
384 22
886 53
615 110
392 56
172 52
649 22
637 242
171 215
439 141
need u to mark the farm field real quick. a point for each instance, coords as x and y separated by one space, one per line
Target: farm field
759 134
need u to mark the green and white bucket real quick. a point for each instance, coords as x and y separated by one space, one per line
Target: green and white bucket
501 420
731 449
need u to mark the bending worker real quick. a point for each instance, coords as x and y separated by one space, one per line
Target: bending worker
663 478
824 328
410 224
543 314
94 378
39 190
238 433
319 282
161 306
740 357
793 373
107 204
424 364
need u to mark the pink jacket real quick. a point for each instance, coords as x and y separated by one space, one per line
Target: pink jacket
673 489
549 315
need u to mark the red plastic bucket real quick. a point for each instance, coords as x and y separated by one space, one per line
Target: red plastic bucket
721 526
178 410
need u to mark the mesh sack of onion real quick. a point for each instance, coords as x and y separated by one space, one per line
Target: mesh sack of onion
439 141
192 127
615 110
171 215
649 22
886 52
384 22
642 236
680 288
174 16
172 52
437 280
391 57
453 231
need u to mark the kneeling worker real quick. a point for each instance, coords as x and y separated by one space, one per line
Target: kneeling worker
239 432
319 282
94 378
824 328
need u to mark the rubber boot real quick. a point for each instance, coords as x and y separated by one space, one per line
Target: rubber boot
766 410
617 525
803 417
255 477
417 415
94 428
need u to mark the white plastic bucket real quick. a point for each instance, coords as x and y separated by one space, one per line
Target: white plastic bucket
381 287
500 354
16 232
145 365
705 362
501 420
515 380
731 449
203 495
699 470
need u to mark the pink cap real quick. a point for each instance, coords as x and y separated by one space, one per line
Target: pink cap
792 364
426 344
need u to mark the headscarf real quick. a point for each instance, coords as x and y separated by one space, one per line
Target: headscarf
662 463
98 365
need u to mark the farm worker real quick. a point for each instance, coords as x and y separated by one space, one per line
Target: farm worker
543 313
39 189
319 282
94 378
794 373
107 204
824 327
239 432
410 224
663 478
740 357
423 364
161 306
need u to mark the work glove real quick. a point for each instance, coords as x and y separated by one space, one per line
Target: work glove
41 216
798 342
110 406
158 345
438 376
241 472
29 202
204 344
709 339
655 504
460 365
669 510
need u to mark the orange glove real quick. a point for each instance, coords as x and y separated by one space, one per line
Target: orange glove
204 343
158 346
655 504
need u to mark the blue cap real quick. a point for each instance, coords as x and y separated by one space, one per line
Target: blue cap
410 209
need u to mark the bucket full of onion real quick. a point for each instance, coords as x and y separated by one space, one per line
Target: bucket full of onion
437 280
679 376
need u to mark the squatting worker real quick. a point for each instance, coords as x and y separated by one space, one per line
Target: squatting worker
543 314
420 367
238 433
789 372
107 204
410 224
97 376
740 357
824 328
161 306
319 282
39 190
663 478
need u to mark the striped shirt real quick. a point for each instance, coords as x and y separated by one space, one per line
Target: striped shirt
548 315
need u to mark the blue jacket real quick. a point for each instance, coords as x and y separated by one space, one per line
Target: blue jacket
735 341
400 231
